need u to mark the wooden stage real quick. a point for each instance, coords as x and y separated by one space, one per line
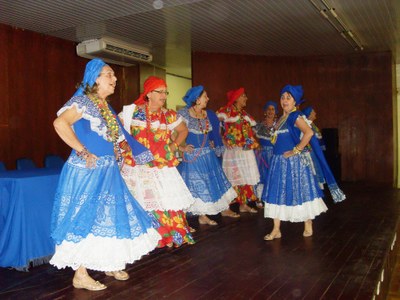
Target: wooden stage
350 256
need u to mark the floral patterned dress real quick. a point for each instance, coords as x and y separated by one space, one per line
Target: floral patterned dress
239 161
158 186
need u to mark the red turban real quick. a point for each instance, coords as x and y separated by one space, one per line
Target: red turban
234 95
149 85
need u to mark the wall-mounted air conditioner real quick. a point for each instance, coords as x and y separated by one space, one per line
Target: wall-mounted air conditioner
113 51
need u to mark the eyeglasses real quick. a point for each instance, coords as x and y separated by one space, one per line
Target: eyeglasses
161 92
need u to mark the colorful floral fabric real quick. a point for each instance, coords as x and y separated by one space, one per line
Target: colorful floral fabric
237 127
155 137
245 194
173 229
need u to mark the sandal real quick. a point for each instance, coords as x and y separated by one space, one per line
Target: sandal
308 228
88 283
307 233
273 235
230 214
119 275
207 221
248 209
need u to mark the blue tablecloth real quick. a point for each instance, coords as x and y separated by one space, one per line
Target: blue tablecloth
26 202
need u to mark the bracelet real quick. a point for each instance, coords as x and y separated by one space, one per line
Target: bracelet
176 145
299 149
84 153
296 151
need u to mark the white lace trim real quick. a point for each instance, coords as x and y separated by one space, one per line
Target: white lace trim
157 124
104 254
299 213
89 112
212 208
227 119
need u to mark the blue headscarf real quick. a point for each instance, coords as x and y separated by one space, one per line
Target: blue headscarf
92 71
307 111
271 103
302 101
192 94
295 90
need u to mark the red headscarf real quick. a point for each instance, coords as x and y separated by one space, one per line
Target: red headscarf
234 95
149 85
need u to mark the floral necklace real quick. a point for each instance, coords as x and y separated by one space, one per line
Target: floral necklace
111 124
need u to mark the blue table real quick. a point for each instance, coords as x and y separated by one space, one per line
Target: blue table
26 202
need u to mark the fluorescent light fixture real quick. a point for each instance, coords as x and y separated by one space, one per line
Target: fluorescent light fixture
338 23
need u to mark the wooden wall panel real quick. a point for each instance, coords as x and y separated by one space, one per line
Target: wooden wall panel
38 74
4 77
352 93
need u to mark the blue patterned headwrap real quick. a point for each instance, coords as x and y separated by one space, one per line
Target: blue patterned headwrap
271 103
92 71
295 90
192 94
307 111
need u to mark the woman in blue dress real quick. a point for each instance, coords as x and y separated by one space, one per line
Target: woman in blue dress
96 223
200 169
264 131
292 192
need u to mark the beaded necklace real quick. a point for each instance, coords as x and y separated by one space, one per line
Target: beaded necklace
112 133
109 118
279 125
204 131
160 117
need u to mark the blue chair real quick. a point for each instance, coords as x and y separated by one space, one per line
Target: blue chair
2 167
53 161
25 164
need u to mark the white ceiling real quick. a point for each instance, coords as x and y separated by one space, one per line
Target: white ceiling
256 27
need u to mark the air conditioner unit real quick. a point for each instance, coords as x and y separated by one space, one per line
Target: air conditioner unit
113 51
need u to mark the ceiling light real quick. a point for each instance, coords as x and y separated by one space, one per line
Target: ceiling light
158 4
338 23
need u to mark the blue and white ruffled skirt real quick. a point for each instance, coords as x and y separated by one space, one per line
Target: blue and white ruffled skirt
292 192
207 182
96 223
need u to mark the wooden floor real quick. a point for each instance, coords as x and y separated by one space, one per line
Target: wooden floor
347 258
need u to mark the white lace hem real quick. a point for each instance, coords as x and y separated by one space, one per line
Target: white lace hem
157 189
104 254
299 213
212 208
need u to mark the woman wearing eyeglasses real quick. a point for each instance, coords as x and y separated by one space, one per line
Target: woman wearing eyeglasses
158 186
